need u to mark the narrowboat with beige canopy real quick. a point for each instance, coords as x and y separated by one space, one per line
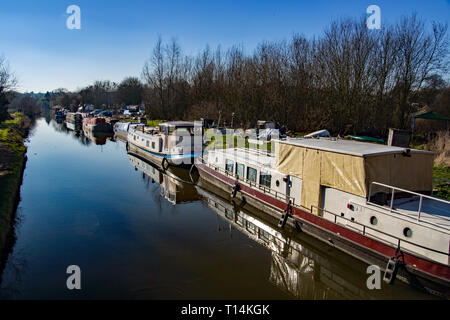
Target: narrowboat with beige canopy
372 201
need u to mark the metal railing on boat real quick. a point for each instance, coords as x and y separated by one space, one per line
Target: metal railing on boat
398 240
250 183
421 198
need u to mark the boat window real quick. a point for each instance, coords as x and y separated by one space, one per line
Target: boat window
229 166
240 169
264 235
251 227
148 143
239 220
183 131
228 213
265 179
251 174
153 145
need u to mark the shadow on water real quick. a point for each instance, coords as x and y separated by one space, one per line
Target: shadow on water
301 266
18 265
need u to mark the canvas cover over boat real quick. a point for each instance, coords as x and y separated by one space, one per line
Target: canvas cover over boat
351 166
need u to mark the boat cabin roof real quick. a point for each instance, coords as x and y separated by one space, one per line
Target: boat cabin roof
355 148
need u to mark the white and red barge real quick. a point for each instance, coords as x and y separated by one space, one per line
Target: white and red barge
371 201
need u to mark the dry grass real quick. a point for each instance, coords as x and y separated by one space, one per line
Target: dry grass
441 145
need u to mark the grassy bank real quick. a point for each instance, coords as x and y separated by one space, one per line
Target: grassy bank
441 188
151 123
12 160
223 141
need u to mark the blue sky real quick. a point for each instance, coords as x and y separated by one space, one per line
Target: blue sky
117 37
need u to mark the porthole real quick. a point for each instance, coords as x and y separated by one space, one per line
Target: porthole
277 183
407 232
373 220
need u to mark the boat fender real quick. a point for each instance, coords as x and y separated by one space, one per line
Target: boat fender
285 216
193 167
298 226
165 164
236 188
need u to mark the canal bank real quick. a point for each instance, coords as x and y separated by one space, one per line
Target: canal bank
12 164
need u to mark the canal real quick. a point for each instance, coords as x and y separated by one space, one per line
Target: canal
138 233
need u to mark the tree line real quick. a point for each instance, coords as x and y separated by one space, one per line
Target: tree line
349 79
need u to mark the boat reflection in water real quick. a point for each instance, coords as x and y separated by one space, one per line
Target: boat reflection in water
73 126
175 185
301 266
99 138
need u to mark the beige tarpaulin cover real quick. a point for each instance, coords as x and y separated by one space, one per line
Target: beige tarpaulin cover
343 172
351 173
413 173
290 160
311 178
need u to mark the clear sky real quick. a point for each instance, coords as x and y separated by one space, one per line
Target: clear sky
117 37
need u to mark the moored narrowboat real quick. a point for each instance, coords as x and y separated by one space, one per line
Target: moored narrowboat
98 125
175 143
371 201
74 121
121 129
75 118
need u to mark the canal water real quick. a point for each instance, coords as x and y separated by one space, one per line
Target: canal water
139 233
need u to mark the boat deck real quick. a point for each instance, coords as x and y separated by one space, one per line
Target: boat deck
432 211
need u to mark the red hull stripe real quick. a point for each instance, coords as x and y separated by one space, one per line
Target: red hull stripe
434 269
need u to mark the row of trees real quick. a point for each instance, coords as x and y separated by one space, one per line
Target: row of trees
10 99
103 94
349 80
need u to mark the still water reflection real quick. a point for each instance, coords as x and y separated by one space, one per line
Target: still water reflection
137 232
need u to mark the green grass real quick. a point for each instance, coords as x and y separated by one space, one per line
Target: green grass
11 136
154 123
442 190
3 134
441 172
227 141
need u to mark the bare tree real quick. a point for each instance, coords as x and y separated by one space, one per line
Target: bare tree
7 82
349 79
